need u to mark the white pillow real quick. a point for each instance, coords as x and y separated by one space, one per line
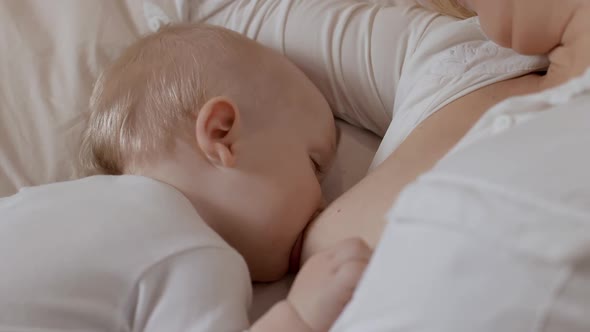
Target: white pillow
52 51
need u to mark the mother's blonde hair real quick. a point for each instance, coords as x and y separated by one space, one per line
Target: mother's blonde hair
447 7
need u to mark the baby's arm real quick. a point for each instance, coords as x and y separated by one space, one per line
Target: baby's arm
352 50
208 289
202 289
321 290
281 317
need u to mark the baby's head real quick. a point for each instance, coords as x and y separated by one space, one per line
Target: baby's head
234 126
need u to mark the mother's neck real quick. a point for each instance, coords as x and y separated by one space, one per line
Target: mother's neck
572 57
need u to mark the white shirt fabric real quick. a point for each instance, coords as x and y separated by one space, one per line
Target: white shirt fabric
451 60
115 254
497 236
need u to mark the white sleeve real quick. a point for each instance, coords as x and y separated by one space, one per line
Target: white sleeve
352 50
205 289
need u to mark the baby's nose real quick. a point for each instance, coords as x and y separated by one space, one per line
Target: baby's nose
322 206
315 215
323 203
320 209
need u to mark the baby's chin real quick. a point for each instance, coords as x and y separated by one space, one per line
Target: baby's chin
277 266
295 257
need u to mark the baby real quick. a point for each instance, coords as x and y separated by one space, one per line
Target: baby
205 152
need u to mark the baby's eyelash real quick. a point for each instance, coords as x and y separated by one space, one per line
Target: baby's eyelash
318 169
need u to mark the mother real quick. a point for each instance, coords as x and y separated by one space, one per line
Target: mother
496 237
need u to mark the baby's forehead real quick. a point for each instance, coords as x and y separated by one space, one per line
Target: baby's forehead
196 42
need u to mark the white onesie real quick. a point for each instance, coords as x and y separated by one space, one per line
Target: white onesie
115 254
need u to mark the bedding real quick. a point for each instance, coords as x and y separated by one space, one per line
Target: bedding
53 52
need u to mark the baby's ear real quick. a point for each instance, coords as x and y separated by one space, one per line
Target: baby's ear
217 128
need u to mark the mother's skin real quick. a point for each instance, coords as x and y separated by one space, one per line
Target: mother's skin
361 210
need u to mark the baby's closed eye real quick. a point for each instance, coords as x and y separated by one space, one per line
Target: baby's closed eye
317 167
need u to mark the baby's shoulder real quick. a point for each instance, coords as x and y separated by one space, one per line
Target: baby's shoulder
129 217
119 242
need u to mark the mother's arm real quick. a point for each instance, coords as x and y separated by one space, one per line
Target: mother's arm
352 50
361 210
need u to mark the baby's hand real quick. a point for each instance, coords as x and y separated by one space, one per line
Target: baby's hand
326 282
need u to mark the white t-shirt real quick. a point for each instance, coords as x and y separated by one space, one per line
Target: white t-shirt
451 60
496 237
115 254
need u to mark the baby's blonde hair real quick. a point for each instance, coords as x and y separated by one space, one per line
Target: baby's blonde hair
448 7
146 98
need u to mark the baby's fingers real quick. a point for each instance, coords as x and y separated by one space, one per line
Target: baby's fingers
351 249
351 272
347 278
